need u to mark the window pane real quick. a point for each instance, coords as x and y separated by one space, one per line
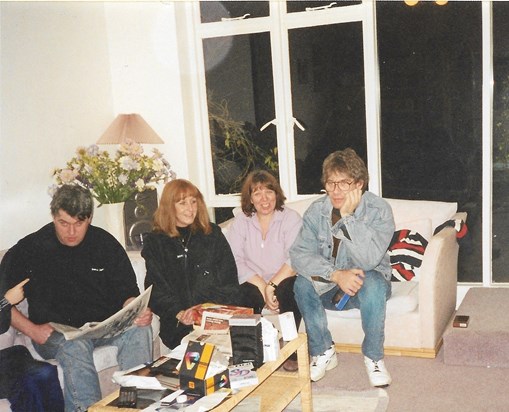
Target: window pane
500 229
240 100
222 214
430 80
327 74
296 6
211 11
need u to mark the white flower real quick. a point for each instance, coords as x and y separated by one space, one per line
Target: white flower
131 148
67 176
157 165
114 178
140 184
92 150
123 178
128 163
88 169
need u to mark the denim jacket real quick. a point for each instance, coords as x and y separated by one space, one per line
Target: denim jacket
364 239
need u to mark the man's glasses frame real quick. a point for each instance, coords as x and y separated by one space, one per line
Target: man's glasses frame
343 185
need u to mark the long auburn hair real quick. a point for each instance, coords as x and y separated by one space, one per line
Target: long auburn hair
165 217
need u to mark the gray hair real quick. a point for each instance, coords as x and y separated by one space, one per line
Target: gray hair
75 200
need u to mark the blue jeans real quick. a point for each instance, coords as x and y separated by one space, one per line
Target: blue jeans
81 383
371 300
29 384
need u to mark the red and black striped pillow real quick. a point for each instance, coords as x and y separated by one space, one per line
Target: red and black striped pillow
406 251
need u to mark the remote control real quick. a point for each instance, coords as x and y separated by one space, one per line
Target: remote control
127 397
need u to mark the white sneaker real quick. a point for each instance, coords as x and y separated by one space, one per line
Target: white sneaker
324 362
378 374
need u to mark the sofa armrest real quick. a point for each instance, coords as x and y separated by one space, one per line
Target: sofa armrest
7 338
226 225
437 284
461 216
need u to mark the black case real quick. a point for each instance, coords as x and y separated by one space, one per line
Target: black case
247 344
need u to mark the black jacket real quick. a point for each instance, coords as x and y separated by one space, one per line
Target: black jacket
71 285
5 313
206 273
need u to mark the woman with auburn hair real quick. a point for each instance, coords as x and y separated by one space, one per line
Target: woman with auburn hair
260 239
188 261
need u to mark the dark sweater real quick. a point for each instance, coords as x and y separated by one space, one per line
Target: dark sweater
208 274
5 308
71 285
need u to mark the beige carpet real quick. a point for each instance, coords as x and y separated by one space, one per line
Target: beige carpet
373 400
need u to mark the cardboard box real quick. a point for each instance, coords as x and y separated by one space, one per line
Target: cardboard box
193 372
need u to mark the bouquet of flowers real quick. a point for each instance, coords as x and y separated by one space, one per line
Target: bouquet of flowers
114 179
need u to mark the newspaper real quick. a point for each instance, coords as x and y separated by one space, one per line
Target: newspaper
215 322
221 341
108 328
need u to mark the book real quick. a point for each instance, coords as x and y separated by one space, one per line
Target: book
215 322
228 310
221 341
461 321
164 369
242 375
108 328
244 320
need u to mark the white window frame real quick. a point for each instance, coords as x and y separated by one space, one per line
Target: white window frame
277 25
191 32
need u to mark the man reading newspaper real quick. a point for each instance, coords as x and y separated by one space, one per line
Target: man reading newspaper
78 273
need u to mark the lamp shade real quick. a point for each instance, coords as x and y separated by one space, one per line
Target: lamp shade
129 126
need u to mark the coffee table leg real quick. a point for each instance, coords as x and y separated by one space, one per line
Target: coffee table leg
304 374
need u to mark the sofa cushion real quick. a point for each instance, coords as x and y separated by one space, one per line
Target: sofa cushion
406 252
7 339
404 299
421 226
409 210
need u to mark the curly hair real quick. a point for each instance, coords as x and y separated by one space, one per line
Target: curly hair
74 200
348 162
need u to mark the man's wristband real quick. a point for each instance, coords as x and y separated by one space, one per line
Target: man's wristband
271 283
4 304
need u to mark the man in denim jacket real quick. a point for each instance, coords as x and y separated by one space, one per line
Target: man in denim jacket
342 249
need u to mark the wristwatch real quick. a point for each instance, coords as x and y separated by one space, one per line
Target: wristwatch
271 283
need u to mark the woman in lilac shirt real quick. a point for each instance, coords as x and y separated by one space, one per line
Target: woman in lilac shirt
260 239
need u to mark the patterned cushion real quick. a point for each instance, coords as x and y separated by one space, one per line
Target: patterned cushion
406 251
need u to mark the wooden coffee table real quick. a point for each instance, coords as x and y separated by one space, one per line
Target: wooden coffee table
276 389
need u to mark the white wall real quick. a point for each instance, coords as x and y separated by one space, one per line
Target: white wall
67 69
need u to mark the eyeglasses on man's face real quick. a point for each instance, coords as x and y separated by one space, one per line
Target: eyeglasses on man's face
343 185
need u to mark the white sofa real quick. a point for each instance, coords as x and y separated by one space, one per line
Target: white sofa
419 310
105 357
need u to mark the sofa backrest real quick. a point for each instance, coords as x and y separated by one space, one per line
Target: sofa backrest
422 216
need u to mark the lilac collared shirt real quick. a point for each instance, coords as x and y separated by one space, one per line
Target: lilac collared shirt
255 255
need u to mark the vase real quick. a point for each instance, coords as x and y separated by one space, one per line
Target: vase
110 216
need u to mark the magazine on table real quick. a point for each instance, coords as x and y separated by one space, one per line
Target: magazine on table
113 326
224 312
221 341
